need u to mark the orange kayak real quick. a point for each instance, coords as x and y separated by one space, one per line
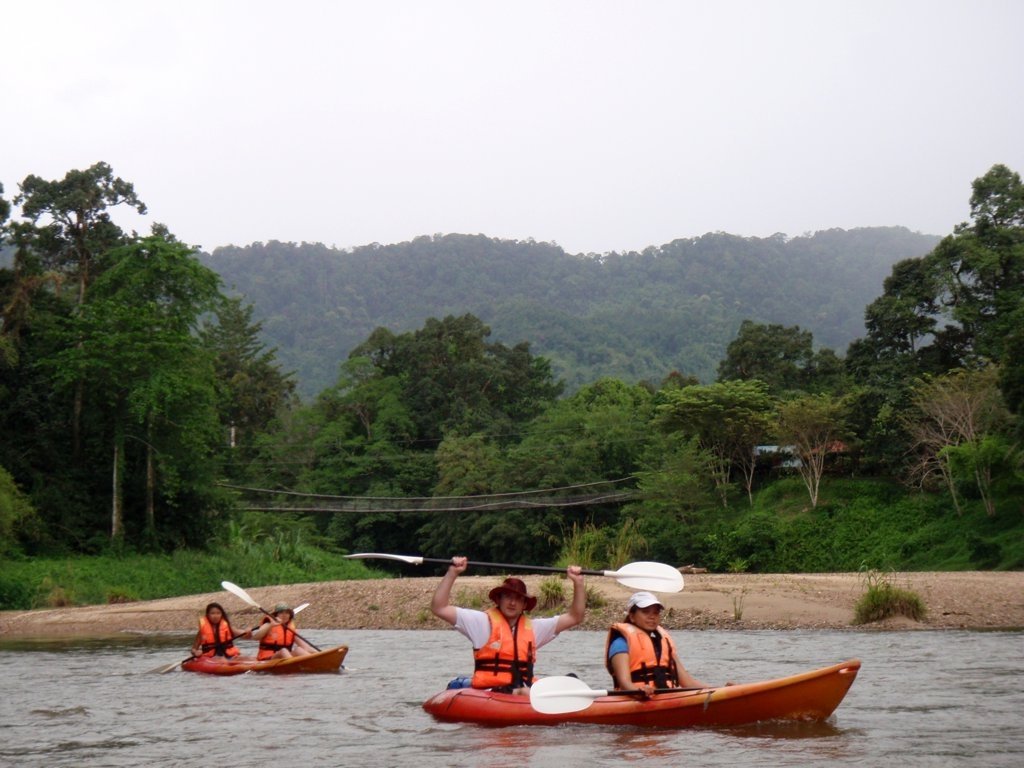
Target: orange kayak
324 661
807 696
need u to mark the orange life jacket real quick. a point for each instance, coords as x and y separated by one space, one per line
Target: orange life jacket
219 643
645 666
278 637
507 658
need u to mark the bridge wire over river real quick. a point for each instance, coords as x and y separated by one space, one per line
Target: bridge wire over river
583 494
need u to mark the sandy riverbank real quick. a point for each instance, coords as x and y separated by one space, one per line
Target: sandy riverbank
964 600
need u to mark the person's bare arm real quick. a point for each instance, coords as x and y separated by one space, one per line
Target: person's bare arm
620 671
261 632
441 605
578 609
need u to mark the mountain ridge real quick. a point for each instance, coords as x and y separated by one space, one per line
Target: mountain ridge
633 315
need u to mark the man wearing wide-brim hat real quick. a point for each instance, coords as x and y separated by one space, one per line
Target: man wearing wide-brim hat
505 640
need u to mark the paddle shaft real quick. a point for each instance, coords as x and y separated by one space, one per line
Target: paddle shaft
638 692
514 566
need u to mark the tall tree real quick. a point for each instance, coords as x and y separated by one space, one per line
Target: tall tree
961 304
783 358
813 425
953 417
134 342
728 420
250 384
68 229
71 220
452 378
981 266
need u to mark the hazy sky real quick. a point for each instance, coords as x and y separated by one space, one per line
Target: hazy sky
598 125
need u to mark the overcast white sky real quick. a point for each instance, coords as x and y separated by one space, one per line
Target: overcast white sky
598 125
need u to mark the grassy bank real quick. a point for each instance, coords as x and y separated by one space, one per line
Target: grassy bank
85 580
859 525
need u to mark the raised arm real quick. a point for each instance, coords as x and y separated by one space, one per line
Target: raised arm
578 609
260 632
441 605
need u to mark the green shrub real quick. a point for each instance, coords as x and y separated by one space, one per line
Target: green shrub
626 543
18 519
595 599
552 594
121 595
470 598
883 599
582 546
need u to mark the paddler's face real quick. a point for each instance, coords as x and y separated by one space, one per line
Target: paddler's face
647 618
215 615
511 605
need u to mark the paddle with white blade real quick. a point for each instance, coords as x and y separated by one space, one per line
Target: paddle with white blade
643 575
561 695
168 667
239 592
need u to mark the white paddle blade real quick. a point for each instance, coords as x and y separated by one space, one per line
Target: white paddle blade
299 609
649 577
559 695
381 556
237 591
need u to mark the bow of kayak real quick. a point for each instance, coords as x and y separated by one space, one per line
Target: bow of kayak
809 696
324 661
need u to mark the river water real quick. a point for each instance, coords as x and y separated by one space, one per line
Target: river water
921 699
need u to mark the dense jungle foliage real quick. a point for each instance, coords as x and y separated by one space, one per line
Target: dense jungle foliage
630 316
145 420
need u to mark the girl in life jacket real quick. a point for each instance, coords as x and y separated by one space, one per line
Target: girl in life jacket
215 639
277 636
640 654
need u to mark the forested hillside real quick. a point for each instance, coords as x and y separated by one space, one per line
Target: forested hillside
634 316
141 409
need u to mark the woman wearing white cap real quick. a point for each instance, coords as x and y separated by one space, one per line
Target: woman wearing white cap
640 654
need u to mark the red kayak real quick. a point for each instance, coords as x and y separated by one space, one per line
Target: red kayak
324 661
809 696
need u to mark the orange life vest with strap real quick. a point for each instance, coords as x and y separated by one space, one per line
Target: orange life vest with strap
278 637
217 641
506 659
646 665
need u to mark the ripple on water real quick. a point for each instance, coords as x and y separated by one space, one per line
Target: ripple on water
920 699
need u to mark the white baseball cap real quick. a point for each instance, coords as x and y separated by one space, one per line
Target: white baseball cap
642 600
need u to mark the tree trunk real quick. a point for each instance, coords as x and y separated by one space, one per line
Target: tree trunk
150 488
76 424
117 503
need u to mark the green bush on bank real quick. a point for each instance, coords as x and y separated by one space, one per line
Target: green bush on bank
883 599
